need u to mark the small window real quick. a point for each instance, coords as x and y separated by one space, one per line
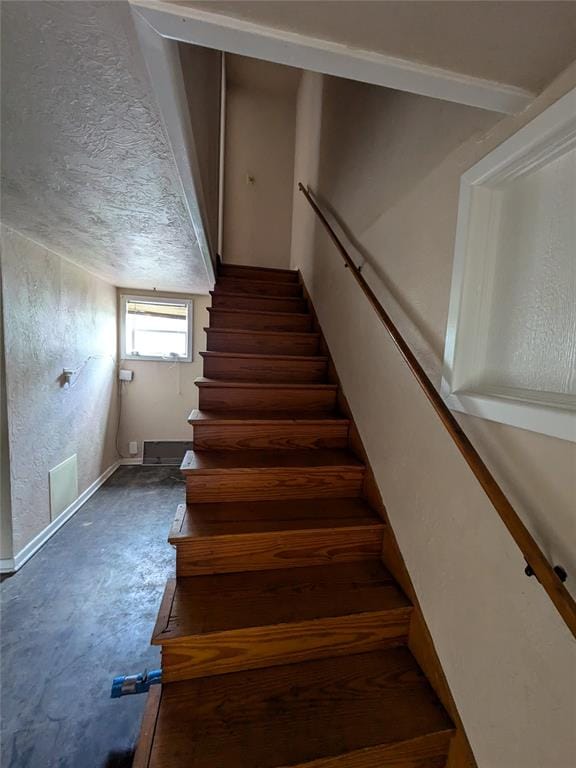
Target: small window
156 328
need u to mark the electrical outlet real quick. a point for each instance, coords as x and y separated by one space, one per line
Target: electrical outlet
132 447
125 375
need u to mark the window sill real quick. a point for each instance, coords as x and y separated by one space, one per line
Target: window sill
558 420
146 359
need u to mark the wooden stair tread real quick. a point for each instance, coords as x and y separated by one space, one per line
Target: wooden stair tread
205 382
283 636
269 312
255 287
255 296
267 417
210 462
264 334
261 598
269 273
255 366
261 517
267 357
294 714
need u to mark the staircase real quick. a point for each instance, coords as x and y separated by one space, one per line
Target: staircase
284 637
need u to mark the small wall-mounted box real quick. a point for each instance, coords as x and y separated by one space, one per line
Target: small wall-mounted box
125 375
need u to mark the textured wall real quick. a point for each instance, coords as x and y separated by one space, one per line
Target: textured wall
86 167
390 167
532 332
157 403
56 316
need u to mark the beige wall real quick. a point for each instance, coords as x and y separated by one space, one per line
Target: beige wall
390 167
56 316
306 164
201 68
521 43
157 402
260 123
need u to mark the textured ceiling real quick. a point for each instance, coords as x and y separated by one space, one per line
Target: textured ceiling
86 167
521 43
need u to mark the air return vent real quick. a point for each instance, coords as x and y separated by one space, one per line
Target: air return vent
63 481
167 452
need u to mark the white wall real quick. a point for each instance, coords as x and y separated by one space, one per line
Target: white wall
56 316
157 402
390 167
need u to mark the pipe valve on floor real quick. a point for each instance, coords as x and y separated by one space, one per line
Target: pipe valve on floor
124 685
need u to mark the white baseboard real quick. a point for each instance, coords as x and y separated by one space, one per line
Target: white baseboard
130 462
12 565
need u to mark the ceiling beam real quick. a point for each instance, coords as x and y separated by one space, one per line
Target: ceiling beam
233 35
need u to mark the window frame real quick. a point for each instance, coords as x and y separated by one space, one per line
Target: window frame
157 299
539 142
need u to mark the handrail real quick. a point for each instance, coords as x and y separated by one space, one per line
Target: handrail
537 563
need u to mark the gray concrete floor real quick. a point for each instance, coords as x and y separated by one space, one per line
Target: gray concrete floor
80 612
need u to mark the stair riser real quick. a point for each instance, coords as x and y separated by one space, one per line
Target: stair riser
260 399
273 436
255 288
254 273
281 344
269 484
282 549
221 652
242 369
258 303
251 322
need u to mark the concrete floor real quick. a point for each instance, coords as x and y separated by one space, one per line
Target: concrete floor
80 612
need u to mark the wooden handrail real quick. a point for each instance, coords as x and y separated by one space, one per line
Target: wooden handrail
532 553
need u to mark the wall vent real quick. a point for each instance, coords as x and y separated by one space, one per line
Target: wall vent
166 452
63 482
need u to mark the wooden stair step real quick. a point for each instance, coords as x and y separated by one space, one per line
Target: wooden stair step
244 366
216 394
261 302
247 430
257 287
370 710
258 273
263 342
267 618
251 319
223 537
253 475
